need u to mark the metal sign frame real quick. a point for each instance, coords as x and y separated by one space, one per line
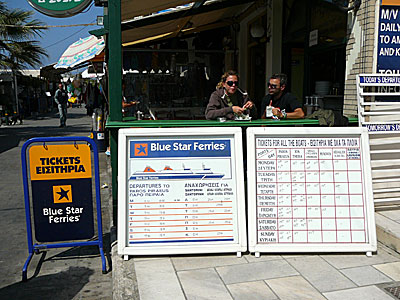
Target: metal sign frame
181 244
34 248
379 111
369 246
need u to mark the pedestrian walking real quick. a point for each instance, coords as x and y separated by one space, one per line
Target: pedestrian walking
61 98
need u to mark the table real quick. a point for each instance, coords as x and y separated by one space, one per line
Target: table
131 122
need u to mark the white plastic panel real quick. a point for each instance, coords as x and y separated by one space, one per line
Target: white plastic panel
309 190
181 190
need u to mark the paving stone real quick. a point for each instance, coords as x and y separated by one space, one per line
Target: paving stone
143 258
255 271
320 274
157 280
293 288
341 261
255 290
390 269
360 293
202 284
366 275
292 255
264 257
209 261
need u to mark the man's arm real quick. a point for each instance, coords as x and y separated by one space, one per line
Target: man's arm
56 98
296 107
297 114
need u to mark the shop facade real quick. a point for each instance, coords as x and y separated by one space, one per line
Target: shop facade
321 45
324 45
31 96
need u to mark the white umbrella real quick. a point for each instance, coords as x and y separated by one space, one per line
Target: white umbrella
81 51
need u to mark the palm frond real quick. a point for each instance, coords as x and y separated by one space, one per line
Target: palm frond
19 22
18 48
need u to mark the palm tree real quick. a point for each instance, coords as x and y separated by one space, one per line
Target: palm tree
17 31
18 48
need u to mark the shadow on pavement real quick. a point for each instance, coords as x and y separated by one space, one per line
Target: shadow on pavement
63 285
83 252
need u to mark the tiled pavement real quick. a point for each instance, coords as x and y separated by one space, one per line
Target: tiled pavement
339 276
300 276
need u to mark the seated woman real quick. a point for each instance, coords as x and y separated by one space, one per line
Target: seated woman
229 100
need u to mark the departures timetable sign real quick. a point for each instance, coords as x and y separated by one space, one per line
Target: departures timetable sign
184 192
186 199
59 8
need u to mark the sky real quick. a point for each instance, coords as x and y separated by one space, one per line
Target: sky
57 40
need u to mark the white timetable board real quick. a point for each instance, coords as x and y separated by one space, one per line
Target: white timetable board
181 190
309 190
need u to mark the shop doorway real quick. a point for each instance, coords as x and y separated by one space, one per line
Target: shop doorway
257 68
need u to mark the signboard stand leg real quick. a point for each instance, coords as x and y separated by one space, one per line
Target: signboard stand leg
56 195
25 268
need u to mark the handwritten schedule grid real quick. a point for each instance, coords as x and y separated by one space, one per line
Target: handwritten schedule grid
310 190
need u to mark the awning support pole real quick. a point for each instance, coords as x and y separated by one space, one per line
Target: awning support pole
115 84
115 60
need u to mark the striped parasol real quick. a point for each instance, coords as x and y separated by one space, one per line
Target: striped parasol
81 51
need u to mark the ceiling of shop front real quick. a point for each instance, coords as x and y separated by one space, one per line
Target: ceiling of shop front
131 8
178 26
174 27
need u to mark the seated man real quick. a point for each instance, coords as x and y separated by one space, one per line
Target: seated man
284 105
228 100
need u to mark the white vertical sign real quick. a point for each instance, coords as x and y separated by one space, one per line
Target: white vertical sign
181 191
310 190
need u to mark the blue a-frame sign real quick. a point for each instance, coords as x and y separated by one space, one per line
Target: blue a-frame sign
60 174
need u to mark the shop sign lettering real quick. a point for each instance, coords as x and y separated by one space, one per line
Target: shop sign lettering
59 8
389 40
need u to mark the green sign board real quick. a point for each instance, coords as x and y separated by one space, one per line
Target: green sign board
59 8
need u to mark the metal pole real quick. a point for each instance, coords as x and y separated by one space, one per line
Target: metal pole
115 60
16 91
115 85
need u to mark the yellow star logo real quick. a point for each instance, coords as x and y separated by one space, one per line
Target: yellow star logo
62 194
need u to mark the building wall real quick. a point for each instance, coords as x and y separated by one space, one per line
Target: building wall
359 51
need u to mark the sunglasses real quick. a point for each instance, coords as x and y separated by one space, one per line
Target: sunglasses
231 83
272 86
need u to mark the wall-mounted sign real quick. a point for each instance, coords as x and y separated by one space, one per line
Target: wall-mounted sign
61 179
181 191
59 8
313 38
389 38
310 190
